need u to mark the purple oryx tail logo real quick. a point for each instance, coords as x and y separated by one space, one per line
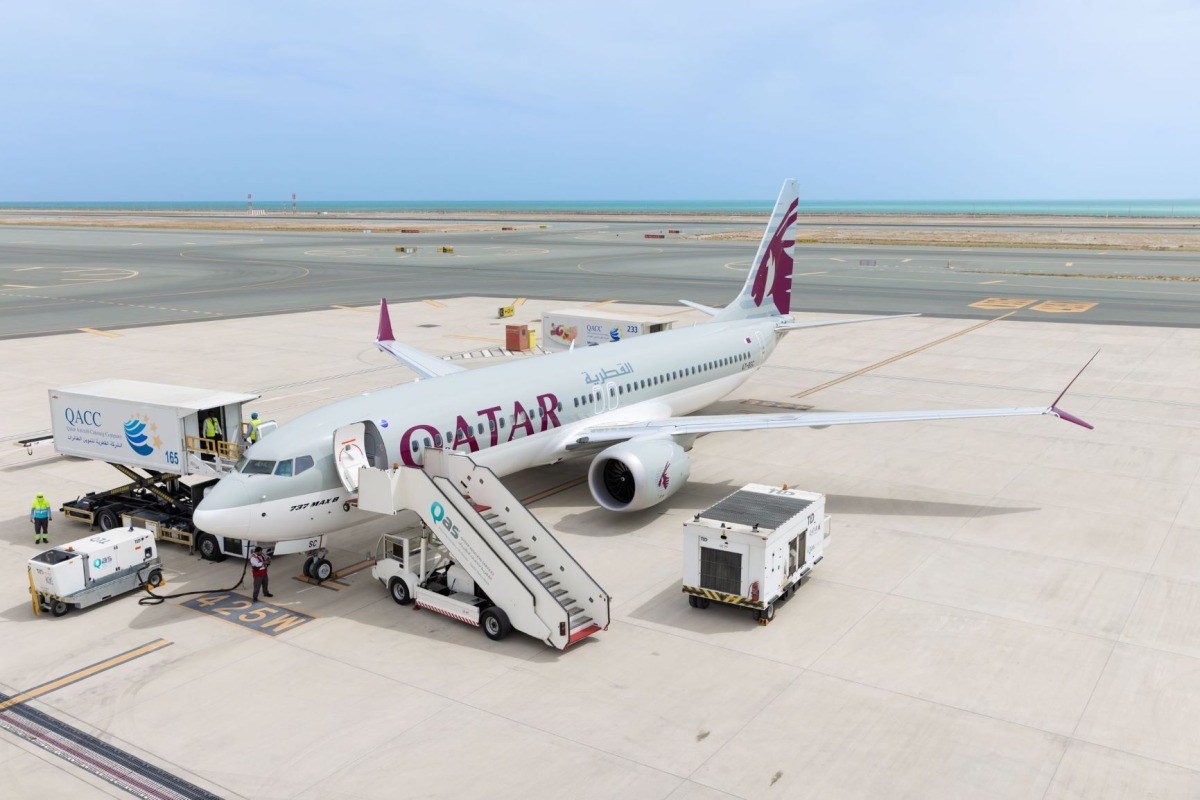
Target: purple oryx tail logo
775 268
663 480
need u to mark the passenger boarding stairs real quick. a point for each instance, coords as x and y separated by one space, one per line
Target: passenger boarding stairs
511 556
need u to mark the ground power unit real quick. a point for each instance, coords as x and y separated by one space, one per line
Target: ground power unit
754 548
87 571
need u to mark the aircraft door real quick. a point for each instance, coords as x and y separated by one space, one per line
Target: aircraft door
614 397
357 445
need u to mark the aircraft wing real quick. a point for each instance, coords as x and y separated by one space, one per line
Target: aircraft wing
682 426
420 362
685 426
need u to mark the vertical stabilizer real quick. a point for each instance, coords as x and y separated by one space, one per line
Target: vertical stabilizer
768 288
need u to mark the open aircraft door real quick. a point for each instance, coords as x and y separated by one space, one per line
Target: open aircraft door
357 445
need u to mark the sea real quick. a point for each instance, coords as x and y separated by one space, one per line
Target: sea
1085 208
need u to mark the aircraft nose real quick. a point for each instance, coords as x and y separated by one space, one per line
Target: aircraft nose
225 509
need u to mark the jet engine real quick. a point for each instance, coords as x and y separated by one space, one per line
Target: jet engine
638 474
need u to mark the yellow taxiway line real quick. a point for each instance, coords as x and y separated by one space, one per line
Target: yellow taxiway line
86 672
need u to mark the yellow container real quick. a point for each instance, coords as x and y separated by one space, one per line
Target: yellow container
532 338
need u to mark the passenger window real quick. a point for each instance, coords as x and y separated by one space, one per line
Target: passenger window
560 405
437 440
284 469
577 402
414 445
481 427
427 442
491 424
502 423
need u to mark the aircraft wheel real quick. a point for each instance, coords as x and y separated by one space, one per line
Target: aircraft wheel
321 570
495 623
59 607
399 590
308 564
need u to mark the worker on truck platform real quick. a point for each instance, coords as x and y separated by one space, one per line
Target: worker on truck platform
252 429
212 430
39 513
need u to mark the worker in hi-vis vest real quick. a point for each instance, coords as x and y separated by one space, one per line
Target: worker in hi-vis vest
40 514
252 429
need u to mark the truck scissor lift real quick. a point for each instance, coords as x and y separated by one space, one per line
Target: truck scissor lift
482 557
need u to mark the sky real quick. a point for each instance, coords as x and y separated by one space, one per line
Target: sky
858 99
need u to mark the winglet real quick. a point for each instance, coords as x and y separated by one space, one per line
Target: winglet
1058 412
385 323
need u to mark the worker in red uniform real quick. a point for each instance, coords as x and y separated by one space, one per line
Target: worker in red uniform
258 568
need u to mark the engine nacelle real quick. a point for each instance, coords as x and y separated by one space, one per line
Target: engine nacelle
638 474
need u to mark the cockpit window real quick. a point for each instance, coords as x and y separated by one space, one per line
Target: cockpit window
240 465
303 463
258 467
284 469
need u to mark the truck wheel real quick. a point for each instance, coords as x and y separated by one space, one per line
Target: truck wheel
697 602
768 613
107 519
399 590
321 570
155 578
59 607
495 623
208 547
308 564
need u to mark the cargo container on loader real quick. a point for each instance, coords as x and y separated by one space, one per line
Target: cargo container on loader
567 327
152 433
754 548
87 571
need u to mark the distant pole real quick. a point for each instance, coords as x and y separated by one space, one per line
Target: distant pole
293 202
249 204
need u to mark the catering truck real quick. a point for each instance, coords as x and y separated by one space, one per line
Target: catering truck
581 327
754 548
154 435
87 571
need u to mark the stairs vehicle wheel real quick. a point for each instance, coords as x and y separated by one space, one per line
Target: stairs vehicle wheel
399 590
495 623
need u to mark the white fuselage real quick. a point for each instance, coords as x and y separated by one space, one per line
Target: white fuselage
509 416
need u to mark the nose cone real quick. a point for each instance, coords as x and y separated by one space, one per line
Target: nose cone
225 509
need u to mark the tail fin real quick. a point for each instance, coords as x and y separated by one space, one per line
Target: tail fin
768 289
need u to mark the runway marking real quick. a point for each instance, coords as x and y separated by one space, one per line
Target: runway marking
894 359
905 260
989 283
367 310
804 274
1003 302
95 332
249 614
730 265
562 487
1069 264
136 244
25 269
86 672
1063 307
601 303
837 259
520 301
435 303
18 286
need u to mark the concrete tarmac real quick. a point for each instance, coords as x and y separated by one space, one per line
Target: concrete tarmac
55 280
1006 610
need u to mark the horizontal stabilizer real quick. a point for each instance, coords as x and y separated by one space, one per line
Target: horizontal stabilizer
420 362
712 312
820 323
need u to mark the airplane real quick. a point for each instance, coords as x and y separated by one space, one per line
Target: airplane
625 404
